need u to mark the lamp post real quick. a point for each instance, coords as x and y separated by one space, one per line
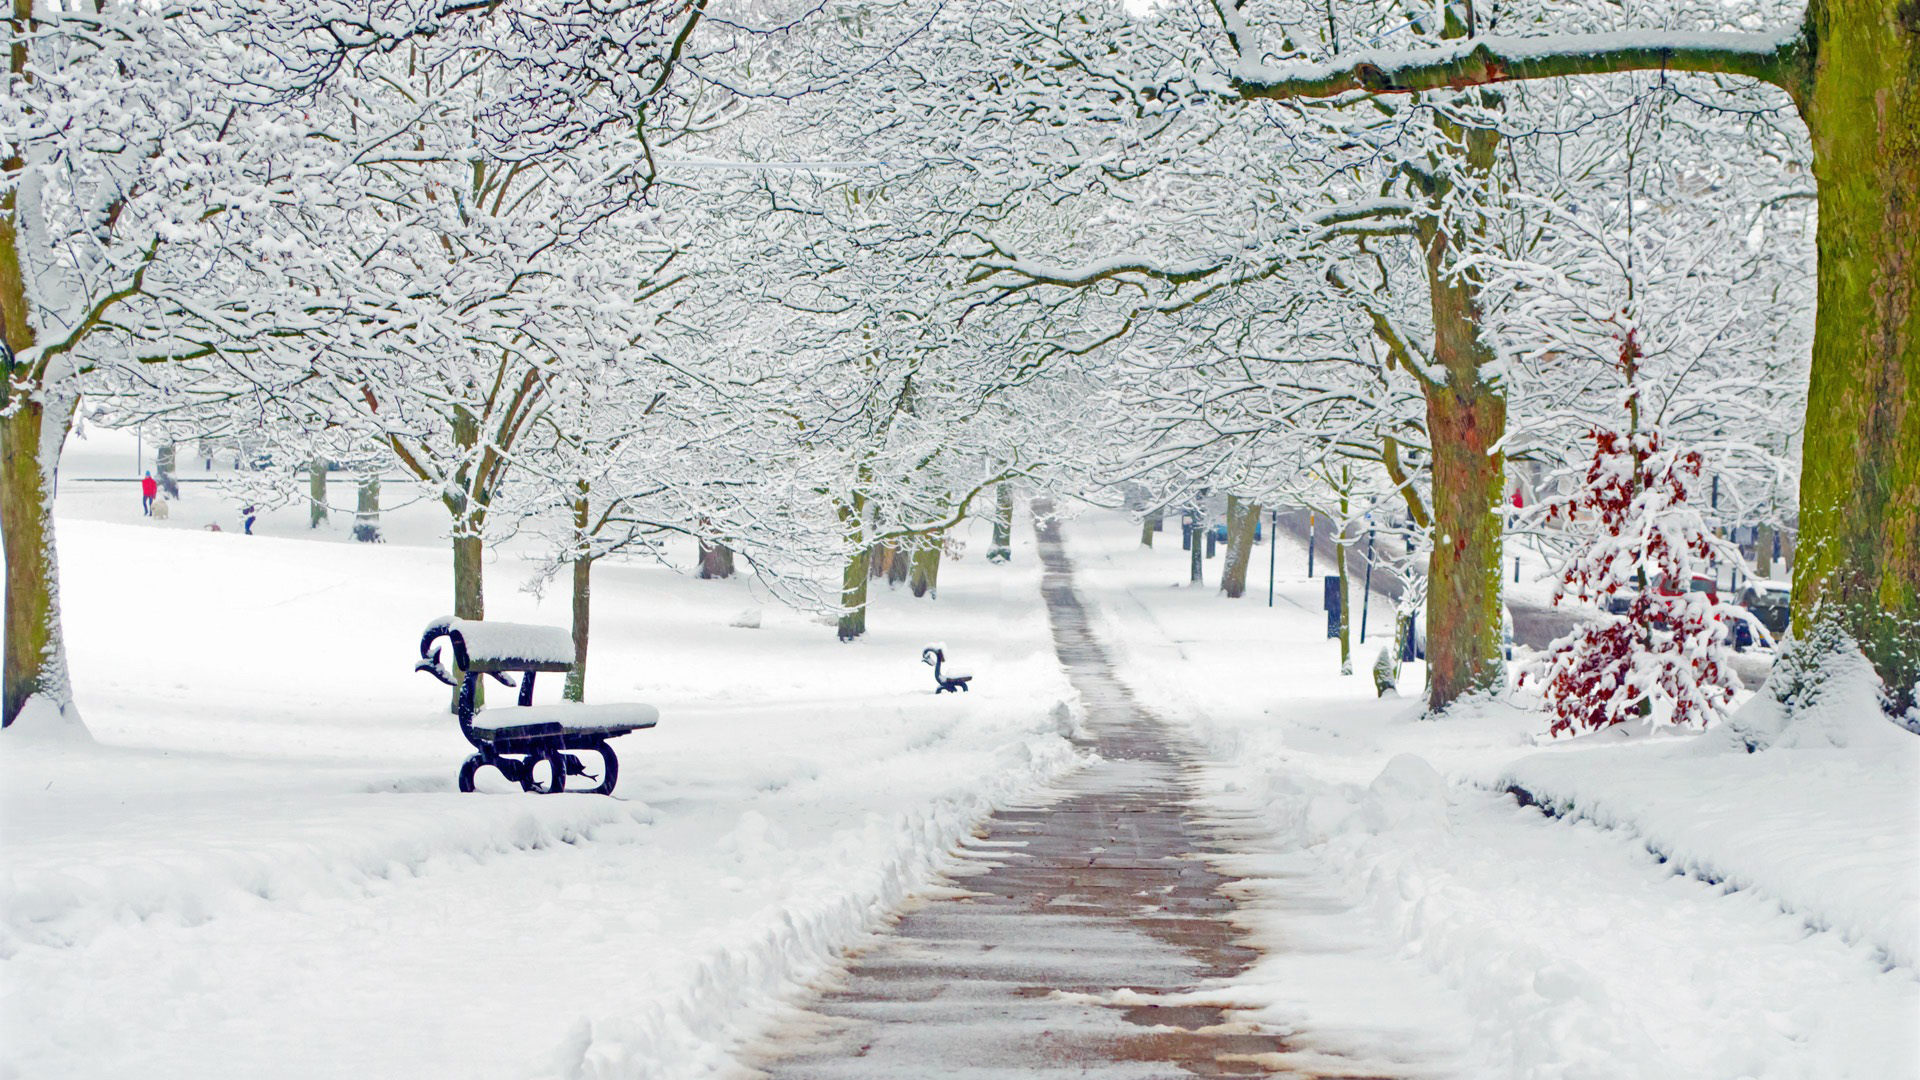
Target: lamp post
1273 552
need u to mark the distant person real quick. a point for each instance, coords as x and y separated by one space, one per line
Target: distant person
246 515
149 487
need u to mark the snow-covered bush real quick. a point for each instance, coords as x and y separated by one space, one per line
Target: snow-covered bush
1667 657
1821 689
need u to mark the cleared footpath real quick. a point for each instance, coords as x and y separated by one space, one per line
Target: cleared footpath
1069 922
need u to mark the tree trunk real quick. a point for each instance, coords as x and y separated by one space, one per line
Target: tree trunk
1149 525
316 492
1241 518
1002 549
853 579
1463 600
166 463
36 657
1346 597
1466 419
1763 552
925 576
1860 466
469 597
366 517
716 559
896 565
576 687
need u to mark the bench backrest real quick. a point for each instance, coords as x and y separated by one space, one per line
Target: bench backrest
491 647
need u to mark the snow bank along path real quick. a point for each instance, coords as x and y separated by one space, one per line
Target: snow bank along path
261 869
1695 911
1082 935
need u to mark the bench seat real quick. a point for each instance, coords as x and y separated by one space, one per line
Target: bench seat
522 721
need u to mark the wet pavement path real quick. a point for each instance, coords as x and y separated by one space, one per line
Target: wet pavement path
1020 970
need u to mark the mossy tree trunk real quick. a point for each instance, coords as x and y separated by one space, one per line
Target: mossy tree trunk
35 662
1859 555
1466 419
897 568
1241 519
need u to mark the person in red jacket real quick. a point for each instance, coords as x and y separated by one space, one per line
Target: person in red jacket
149 487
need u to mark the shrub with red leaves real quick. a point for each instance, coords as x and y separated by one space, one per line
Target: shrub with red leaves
1667 658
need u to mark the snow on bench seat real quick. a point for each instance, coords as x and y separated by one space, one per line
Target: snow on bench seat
510 646
578 719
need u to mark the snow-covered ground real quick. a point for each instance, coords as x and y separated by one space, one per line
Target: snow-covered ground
261 867
1694 911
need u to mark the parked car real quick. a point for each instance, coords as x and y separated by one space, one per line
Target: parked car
1771 598
1416 645
1771 602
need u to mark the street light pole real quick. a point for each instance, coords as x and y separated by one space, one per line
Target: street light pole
1313 526
1366 593
1273 552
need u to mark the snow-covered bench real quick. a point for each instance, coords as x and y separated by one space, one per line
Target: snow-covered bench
946 680
528 743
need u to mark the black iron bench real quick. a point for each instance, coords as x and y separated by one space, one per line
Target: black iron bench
946 680
528 743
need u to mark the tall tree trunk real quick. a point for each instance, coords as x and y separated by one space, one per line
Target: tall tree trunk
576 685
469 552
1466 419
925 576
896 564
316 492
366 515
1241 518
1463 600
1148 525
1346 596
575 688
853 579
166 464
36 656
1002 549
1859 554
1763 552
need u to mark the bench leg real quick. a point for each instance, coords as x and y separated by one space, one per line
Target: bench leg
467 770
555 780
609 773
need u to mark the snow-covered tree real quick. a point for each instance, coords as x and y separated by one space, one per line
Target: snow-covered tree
1668 657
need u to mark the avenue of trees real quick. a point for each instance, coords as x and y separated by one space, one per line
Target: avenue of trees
805 287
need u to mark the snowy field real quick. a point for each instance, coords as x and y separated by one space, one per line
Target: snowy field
261 868
1694 911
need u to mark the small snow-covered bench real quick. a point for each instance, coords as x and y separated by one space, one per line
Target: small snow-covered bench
946 680
520 739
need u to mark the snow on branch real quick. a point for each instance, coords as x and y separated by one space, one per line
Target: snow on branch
1774 58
